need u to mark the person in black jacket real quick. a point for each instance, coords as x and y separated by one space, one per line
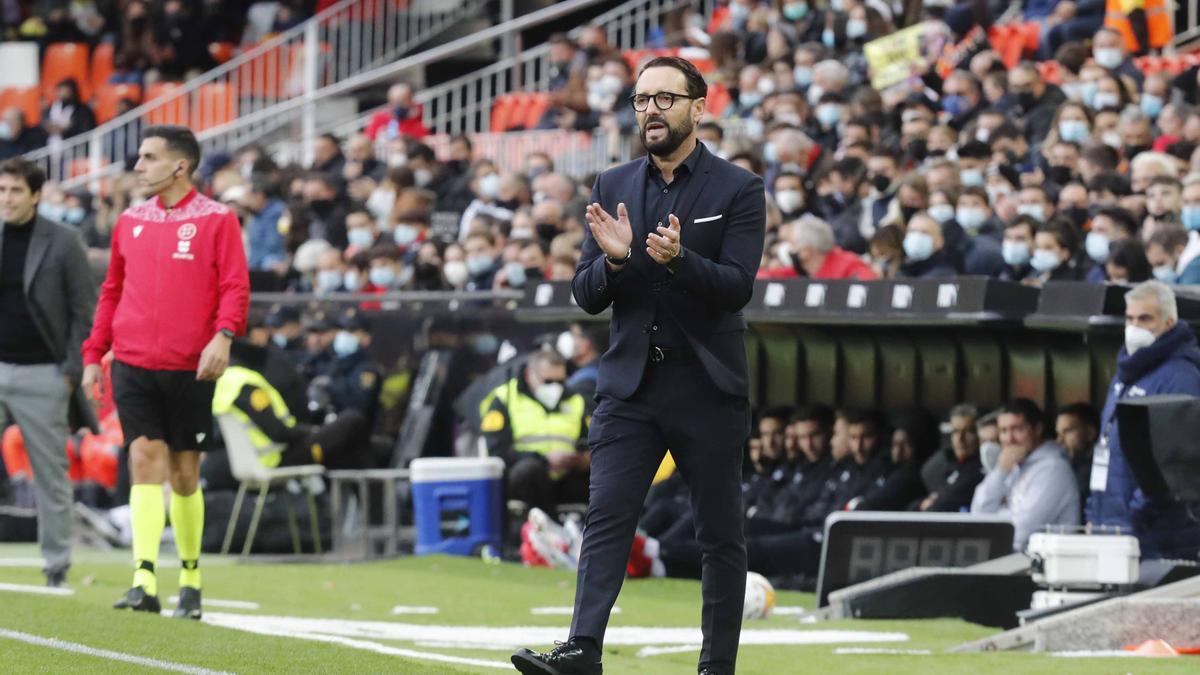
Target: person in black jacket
67 116
950 475
1056 254
914 437
1037 101
925 255
16 137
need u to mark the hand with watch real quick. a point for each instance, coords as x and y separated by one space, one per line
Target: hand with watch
614 236
215 357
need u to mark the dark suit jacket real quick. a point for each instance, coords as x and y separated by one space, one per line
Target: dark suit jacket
722 216
61 295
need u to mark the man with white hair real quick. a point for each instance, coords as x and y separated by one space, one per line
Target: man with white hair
1160 356
1148 165
829 77
820 258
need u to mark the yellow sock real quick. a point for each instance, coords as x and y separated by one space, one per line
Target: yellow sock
187 518
148 517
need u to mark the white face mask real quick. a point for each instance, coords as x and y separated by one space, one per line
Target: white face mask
549 394
1136 338
789 201
455 272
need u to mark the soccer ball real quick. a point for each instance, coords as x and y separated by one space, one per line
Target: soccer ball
760 597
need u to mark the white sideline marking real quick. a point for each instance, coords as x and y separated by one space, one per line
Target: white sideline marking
433 644
37 590
53 643
22 562
562 611
868 650
655 651
788 611
402 609
1100 654
214 602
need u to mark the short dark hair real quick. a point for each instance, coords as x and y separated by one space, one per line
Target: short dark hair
1063 231
696 86
1028 410
1168 238
179 140
1120 217
1130 254
1109 182
1086 412
712 126
866 416
26 170
815 412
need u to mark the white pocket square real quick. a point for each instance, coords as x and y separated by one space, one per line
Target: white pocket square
708 219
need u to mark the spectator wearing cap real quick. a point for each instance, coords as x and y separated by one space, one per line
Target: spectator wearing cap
1037 101
319 333
401 119
925 256
265 243
1109 226
354 379
818 257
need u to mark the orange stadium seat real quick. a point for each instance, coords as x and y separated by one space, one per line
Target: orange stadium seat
108 95
63 60
175 112
28 99
215 104
270 73
534 108
1050 71
504 112
220 51
102 65
717 100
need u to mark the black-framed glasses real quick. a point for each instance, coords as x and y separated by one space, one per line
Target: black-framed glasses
663 100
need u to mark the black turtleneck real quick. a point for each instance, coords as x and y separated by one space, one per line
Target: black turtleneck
20 341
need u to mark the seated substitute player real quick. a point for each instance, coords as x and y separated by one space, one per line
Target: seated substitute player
175 296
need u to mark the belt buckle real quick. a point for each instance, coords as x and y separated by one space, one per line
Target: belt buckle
657 355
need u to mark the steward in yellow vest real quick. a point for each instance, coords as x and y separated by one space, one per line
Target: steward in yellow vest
540 433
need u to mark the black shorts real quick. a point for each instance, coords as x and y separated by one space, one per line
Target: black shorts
164 405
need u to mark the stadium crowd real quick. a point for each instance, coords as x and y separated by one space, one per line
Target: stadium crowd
1072 165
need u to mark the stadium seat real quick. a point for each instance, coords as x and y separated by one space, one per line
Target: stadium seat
108 95
102 66
220 51
28 99
535 106
271 73
174 112
214 105
717 100
504 112
1050 71
63 60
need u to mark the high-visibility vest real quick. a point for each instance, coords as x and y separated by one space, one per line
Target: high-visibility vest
1158 23
1159 31
230 386
535 429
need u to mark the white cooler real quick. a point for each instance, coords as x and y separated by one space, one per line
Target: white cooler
1084 559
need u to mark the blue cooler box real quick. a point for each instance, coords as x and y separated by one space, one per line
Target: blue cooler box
457 504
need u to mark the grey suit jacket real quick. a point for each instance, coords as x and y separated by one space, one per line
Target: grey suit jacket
61 294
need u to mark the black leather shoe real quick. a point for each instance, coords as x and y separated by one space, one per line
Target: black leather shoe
56 579
708 671
567 658
138 600
189 604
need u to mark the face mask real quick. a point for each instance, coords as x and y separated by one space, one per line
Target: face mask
1136 338
907 212
328 281
382 277
794 11
1015 253
972 177
970 217
789 201
6 132
790 118
51 211
769 153
1034 210
380 204
996 194
943 213
546 231
455 272
351 282
837 5
549 394
1191 217
404 235
1059 174
749 99
814 94
360 237
1073 90
1096 246
1074 131
422 177
1045 260
1105 99
753 128
398 159
766 86
489 186
828 38
1076 214
1132 151
345 343
280 340
611 85
74 215
1108 58
1087 93
954 105
829 114
802 75
856 28
1165 274
1151 105
515 273
783 253
738 13
478 264
1026 100
918 246
1112 139
880 182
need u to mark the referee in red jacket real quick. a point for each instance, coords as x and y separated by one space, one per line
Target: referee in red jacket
176 295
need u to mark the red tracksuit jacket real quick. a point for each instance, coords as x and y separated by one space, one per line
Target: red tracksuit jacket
176 277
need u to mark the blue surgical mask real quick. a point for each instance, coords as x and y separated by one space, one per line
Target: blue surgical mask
856 28
280 340
360 237
404 235
50 211
972 177
749 99
971 218
794 11
489 186
1073 131
383 277
328 281
918 246
345 343
515 272
1045 260
1034 210
1151 105
1108 58
802 75
829 114
1096 245
943 213
74 215
1191 217
1165 274
352 281
954 105
1087 92
828 38
478 264
769 154
1015 253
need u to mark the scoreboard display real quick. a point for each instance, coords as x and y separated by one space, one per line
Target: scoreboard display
860 546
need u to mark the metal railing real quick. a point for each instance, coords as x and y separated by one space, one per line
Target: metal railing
349 38
1187 33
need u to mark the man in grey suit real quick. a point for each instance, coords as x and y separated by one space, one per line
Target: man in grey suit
47 298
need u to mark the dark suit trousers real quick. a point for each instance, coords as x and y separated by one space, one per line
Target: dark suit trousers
676 407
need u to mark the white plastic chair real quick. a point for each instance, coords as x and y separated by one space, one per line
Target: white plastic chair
250 473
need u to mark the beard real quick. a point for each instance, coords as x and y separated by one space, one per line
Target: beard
670 141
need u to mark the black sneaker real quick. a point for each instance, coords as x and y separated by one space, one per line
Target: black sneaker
138 600
56 578
567 658
189 604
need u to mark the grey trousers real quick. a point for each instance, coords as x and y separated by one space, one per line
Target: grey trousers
36 399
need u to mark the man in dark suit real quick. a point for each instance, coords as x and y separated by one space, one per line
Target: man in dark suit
47 297
676 264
